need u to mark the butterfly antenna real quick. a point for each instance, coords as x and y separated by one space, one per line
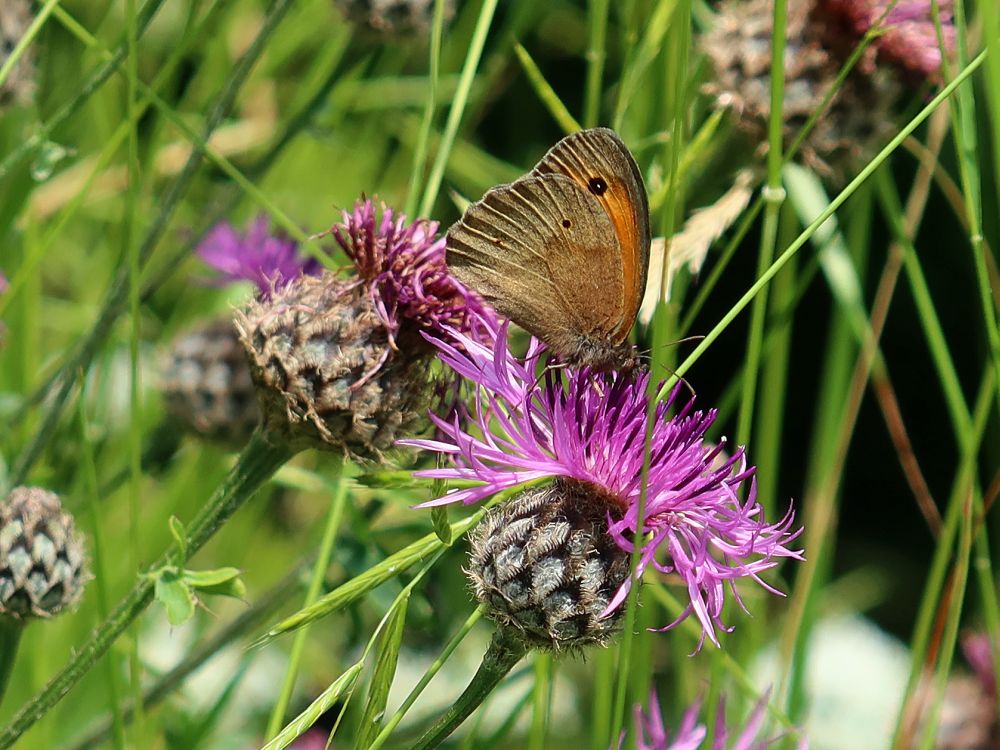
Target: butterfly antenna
671 370
549 367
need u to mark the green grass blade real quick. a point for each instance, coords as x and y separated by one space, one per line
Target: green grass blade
387 656
546 93
357 587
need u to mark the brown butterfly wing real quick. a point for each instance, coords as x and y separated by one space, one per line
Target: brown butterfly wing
545 254
595 159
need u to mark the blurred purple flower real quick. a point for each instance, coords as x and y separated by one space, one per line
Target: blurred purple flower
403 265
590 427
908 35
651 734
269 261
976 647
314 739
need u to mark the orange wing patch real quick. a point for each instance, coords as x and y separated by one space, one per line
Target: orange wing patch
617 203
595 160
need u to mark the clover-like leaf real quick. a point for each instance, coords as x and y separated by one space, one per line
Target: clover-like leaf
218 582
175 595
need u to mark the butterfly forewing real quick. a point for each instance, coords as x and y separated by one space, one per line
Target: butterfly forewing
598 161
541 251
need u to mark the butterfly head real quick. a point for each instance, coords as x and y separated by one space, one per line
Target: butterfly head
603 356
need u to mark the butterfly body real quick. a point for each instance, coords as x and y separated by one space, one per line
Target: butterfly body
564 251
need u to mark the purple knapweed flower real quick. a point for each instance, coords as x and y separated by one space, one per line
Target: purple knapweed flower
590 427
651 734
907 35
403 265
269 261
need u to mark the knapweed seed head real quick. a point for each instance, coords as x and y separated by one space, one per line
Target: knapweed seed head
42 563
345 363
19 86
206 383
700 520
268 260
545 566
325 372
858 117
394 18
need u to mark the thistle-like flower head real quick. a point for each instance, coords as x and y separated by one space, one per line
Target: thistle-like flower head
268 260
402 263
590 427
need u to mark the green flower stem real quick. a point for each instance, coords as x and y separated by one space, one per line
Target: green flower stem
505 650
423 139
597 29
259 460
10 639
774 196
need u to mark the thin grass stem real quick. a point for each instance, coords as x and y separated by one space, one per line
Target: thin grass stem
465 82
334 515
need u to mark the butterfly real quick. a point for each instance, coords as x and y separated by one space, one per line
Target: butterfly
564 251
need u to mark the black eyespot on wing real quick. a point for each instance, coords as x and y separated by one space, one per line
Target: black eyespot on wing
566 223
597 185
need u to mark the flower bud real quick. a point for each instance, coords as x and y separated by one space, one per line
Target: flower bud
42 562
394 17
206 383
545 565
18 88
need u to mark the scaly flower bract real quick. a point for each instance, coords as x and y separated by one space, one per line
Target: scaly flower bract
267 260
403 265
591 427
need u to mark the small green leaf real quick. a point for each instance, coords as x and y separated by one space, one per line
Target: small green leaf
178 532
546 93
218 582
439 520
387 480
301 723
202 579
385 670
175 596
349 592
